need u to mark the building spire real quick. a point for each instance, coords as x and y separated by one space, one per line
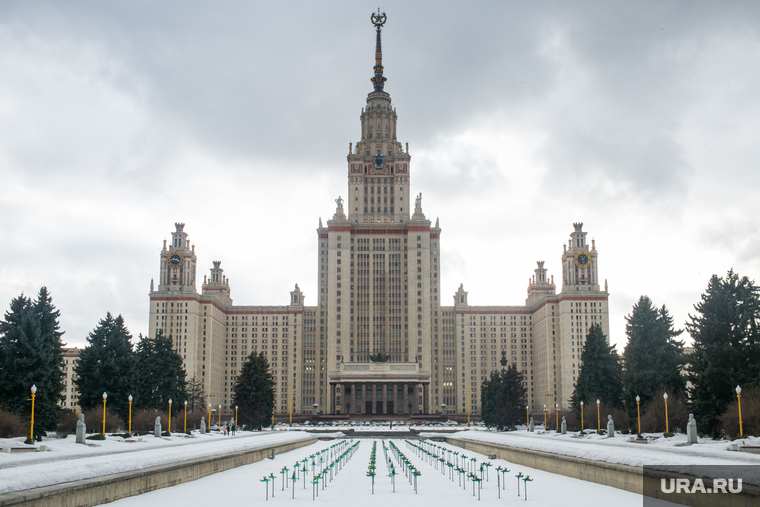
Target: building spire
378 20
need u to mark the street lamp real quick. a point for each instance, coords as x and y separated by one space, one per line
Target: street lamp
582 428
544 416
738 400
170 415
598 423
209 418
31 430
665 397
104 413
527 417
185 430
219 421
638 412
129 429
236 407
556 416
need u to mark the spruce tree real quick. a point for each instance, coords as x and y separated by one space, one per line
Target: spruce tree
600 372
653 357
503 399
106 364
31 353
726 346
160 376
253 392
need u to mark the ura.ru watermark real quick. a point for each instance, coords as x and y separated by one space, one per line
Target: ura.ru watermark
692 486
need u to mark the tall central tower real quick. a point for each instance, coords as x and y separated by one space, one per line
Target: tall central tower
378 167
378 274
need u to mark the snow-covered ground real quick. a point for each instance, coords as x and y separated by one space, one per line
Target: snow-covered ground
68 461
663 451
351 486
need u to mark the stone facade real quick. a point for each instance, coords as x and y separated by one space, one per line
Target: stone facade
70 399
379 299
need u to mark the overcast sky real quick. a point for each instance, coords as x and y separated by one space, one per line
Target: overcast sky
120 118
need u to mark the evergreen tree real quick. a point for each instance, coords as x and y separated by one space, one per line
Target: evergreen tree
195 395
31 353
726 346
253 392
653 357
600 371
106 364
159 375
503 399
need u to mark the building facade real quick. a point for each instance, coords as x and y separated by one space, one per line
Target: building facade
70 395
378 339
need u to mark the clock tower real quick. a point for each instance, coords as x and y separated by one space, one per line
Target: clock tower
178 263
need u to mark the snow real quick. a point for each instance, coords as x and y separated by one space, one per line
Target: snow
351 486
663 451
20 471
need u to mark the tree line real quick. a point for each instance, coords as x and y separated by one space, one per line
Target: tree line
150 371
726 353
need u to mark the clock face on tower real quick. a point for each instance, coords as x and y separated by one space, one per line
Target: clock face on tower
175 259
582 259
379 161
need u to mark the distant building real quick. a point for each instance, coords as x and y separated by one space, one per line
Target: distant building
378 340
70 394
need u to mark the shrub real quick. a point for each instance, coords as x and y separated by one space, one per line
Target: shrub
93 419
729 420
67 424
144 420
619 416
11 425
653 417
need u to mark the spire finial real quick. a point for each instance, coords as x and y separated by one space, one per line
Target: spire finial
378 20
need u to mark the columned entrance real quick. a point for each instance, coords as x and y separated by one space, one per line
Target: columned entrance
379 389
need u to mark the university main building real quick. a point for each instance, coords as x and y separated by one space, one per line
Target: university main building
378 339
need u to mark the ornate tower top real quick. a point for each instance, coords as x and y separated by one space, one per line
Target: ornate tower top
378 20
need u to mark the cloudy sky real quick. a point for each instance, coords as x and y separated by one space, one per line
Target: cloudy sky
119 118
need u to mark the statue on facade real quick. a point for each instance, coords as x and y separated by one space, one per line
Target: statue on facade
157 427
691 430
203 425
339 202
418 201
81 430
563 426
610 427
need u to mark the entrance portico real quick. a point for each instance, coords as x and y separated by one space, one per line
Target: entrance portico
379 389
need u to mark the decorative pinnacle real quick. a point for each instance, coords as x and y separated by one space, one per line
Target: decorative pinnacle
378 20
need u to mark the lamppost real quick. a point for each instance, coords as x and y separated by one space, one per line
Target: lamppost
129 428
170 415
104 413
31 430
219 421
236 407
527 417
544 416
208 430
556 416
665 397
582 428
211 419
738 400
598 423
638 412
185 430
